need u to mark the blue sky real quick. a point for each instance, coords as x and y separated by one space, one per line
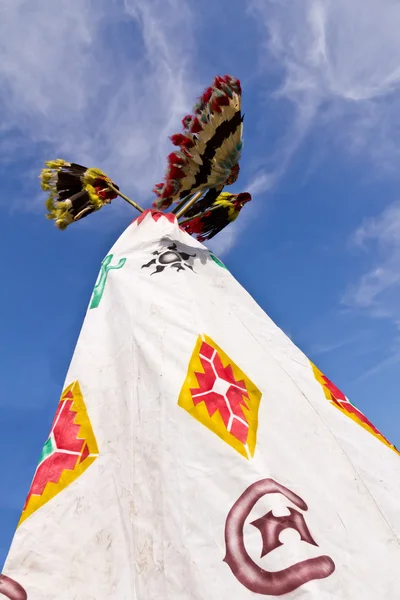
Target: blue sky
104 83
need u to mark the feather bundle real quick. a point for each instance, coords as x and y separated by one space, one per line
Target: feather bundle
74 191
209 147
224 209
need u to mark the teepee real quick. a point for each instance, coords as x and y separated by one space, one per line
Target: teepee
195 451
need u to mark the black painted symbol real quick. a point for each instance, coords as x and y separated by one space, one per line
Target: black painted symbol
171 258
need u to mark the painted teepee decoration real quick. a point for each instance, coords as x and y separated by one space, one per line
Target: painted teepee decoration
195 452
68 451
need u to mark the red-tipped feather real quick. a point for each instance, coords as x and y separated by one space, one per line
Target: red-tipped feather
215 107
207 95
198 108
175 173
234 83
186 121
168 190
222 100
174 159
157 189
218 81
178 139
165 204
195 126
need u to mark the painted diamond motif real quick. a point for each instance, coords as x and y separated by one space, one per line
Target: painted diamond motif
341 402
69 450
219 395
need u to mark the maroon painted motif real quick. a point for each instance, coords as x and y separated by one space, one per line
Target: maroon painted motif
246 571
271 527
11 589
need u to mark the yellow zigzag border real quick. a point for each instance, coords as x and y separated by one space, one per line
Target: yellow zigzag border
319 377
68 476
215 423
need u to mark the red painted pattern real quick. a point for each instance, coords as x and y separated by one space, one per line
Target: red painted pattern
156 215
340 399
69 448
220 391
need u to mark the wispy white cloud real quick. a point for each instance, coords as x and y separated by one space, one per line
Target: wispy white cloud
63 90
340 65
261 183
378 289
380 366
327 348
225 241
340 71
222 244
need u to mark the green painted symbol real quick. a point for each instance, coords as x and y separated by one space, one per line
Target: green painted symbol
48 449
101 283
217 260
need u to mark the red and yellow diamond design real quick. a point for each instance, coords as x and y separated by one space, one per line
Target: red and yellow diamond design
338 399
70 449
219 395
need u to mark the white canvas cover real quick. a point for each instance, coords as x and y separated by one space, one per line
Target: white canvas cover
197 454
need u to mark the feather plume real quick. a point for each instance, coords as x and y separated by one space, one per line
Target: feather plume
211 143
216 214
74 191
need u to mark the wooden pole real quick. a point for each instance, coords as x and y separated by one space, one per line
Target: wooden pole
131 202
179 206
185 208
